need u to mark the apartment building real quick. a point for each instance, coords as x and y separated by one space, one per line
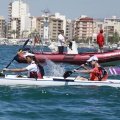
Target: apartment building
2 27
36 23
97 24
83 27
112 25
56 24
63 18
18 18
69 29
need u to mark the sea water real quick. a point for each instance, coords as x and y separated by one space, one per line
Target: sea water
55 103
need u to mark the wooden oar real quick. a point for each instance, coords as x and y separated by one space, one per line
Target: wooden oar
68 73
16 55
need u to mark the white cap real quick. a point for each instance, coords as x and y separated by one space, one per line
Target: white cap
92 58
29 54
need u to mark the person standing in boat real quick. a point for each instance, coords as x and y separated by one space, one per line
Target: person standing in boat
97 73
61 41
35 70
100 40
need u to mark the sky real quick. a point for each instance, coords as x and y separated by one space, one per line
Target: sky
72 9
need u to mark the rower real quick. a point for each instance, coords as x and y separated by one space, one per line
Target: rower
97 73
35 70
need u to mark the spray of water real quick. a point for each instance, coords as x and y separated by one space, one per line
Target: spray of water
54 69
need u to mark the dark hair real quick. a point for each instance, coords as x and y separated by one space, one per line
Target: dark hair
39 66
101 31
61 31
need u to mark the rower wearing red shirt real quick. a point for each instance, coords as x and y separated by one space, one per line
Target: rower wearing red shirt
97 73
100 40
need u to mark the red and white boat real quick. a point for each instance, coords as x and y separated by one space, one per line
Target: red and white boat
73 57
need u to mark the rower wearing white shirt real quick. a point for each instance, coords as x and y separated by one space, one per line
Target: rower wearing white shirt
61 40
35 70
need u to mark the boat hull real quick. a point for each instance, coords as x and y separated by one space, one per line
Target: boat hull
55 81
106 57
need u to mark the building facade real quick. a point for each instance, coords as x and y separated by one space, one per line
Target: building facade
69 29
112 25
56 24
2 27
84 28
18 19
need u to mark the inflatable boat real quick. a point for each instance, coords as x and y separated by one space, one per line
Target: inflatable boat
73 57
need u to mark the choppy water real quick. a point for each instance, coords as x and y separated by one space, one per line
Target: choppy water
56 103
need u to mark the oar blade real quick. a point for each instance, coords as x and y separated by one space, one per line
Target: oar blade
67 74
2 74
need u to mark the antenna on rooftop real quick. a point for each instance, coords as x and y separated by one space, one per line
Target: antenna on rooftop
46 12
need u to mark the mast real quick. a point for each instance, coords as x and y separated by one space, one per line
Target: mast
46 25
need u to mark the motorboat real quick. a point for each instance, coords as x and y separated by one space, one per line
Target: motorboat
73 56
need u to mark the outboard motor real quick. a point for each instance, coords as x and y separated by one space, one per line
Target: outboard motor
70 45
72 48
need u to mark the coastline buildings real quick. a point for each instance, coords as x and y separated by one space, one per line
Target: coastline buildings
18 19
21 24
48 27
2 27
83 28
57 22
69 29
112 25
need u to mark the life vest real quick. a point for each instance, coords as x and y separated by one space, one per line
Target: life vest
41 70
35 75
99 74
70 45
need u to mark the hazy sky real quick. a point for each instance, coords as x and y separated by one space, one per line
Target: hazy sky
70 8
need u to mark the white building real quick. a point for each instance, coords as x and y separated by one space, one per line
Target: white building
62 17
112 25
33 23
18 18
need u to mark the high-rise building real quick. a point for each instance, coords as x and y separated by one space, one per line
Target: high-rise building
69 29
83 28
56 24
18 18
2 27
37 26
112 25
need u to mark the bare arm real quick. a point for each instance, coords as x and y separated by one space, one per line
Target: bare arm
83 66
83 71
16 70
63 41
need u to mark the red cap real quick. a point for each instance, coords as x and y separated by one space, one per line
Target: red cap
101 31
